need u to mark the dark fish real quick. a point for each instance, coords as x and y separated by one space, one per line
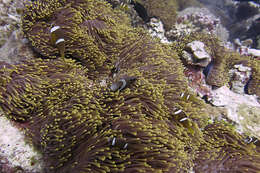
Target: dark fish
115 70
139 8
207 69
247 84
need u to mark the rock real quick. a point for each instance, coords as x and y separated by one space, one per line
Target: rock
179 29
248 51
244 110
15 48
223 96
254 52
240 76
15 151
237 42
197 55
187 56
9 18
248 42
197 47
249 118
201 54
156 29
195 19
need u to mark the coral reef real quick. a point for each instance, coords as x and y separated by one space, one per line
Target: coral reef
192 20
222 60
13 45
144 119
156 30
196 54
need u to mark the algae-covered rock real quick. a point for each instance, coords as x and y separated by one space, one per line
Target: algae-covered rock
249 118
240 76
198 55
241 109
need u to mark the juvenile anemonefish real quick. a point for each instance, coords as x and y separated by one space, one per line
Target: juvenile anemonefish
118 143
122 83
181 117
115 70
57 39
185 96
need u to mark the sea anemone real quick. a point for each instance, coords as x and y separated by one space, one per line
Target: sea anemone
225 151
151 124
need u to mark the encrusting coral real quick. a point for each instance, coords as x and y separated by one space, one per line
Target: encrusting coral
144 120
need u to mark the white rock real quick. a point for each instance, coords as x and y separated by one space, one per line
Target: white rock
234 103
242 68
197 47
247 42
240 76
254 52
156 29
223 96
187 56
200 56
237 42
14 148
